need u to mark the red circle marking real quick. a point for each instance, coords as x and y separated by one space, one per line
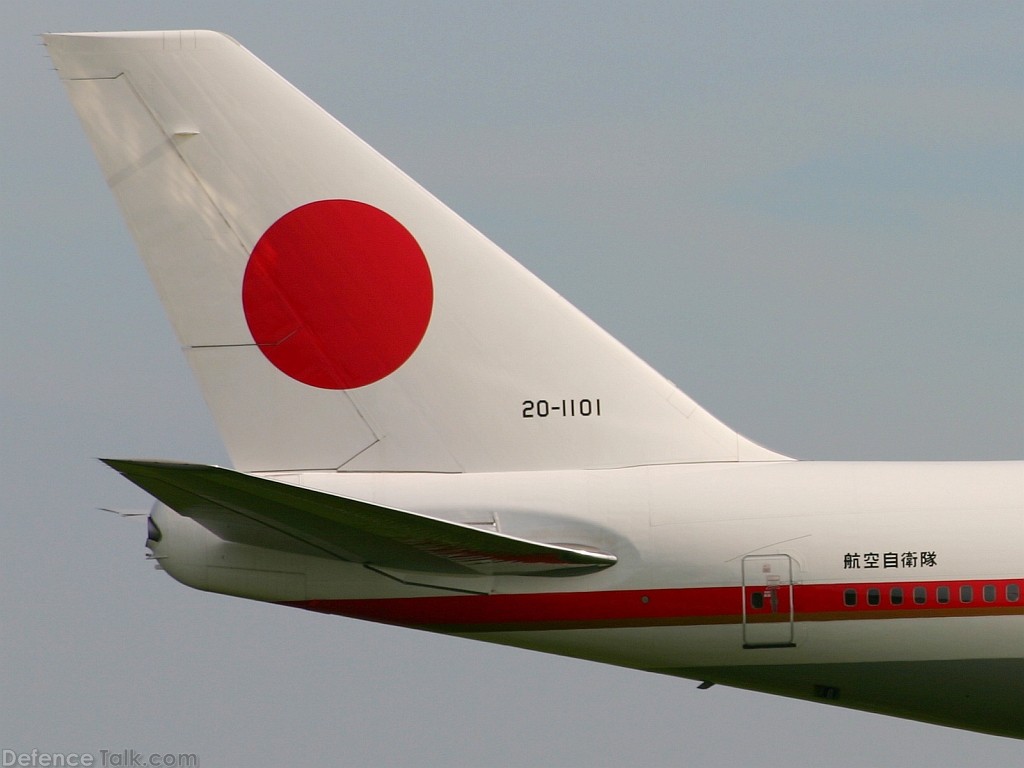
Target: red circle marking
337 294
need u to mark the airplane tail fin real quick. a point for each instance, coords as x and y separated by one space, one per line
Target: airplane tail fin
337 315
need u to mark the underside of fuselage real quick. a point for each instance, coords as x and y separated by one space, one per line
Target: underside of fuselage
976 694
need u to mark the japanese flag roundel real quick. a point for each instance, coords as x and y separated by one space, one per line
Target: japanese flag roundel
337 294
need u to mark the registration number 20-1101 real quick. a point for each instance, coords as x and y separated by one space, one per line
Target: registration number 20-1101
542 409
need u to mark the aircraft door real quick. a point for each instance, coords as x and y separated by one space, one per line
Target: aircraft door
768 610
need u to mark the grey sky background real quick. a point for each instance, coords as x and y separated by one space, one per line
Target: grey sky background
810 216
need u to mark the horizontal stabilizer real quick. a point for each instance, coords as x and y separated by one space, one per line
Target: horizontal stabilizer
229 503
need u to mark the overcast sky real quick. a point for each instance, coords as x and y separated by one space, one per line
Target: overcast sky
810 216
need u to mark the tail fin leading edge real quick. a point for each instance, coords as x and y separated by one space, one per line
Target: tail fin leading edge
337 315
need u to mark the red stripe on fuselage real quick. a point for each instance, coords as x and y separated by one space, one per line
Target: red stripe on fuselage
666 607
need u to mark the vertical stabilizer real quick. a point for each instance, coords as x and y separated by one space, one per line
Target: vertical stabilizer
338 316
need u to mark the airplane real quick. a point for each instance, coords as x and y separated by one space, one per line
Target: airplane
426 435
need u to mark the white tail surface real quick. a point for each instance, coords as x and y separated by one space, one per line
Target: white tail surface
338 316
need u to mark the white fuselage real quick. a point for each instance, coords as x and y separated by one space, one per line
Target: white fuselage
890 587
800 562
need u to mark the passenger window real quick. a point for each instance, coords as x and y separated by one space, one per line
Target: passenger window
988 593
920 595
896 595
850 598
966 593
1012 593
757 599
942 594
874 596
